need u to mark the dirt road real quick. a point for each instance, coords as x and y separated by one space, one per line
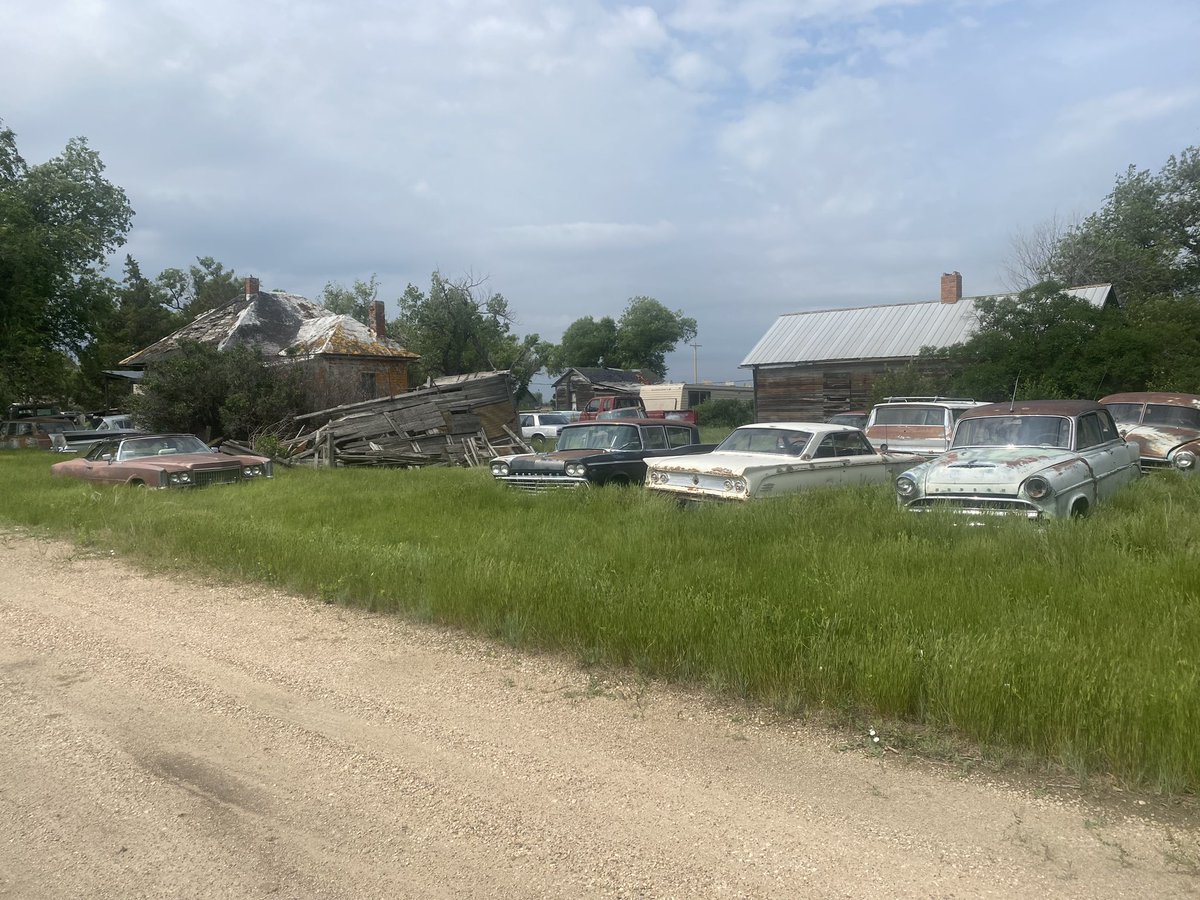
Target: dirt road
166 738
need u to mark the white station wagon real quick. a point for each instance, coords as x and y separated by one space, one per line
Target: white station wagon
777 458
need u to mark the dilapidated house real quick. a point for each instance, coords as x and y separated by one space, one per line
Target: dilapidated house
578 384
811 365
344 359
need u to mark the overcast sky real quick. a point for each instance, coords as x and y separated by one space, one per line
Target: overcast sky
734 160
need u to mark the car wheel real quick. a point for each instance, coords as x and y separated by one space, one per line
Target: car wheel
538 442
137 483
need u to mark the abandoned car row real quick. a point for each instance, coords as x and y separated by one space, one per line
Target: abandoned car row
1033 459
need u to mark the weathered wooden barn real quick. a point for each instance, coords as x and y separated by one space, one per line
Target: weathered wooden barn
577 385
344 359
811 365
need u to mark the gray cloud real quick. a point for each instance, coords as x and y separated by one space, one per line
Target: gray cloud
736 160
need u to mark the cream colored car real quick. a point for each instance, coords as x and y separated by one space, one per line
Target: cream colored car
777 458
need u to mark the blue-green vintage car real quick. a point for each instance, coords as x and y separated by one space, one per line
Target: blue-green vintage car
1035 459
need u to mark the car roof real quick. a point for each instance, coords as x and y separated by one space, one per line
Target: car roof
801 426
1165 397
1033 408
630 421
952 402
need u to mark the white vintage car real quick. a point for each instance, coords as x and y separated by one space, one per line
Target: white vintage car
1032 459
776 458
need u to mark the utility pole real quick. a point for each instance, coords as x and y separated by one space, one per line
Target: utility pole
695 363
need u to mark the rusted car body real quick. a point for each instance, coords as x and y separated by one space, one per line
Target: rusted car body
921 425
775 458
1041 458
33 431
598 453
1165 426
162 461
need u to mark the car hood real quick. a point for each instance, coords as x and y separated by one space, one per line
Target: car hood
1157 441
991 468
724 462
554 461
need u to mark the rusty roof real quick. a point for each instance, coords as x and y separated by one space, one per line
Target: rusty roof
1032 408
278 323
1164 397
896 331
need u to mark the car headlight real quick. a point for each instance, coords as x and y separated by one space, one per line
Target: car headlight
739 485
576 470
499 469
181 478
251 471
905 486
1038 488
1184 460
657 477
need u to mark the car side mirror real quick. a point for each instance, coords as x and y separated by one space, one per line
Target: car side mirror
107 457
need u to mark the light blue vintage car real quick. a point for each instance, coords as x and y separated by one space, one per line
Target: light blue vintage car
1035 459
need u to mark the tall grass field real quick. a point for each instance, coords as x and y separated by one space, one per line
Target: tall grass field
1077 643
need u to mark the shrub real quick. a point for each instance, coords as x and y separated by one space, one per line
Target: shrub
725 413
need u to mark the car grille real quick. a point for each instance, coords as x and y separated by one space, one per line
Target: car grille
205 477
978 506
536 484
1150 465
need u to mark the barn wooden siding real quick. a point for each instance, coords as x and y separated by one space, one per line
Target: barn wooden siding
813 393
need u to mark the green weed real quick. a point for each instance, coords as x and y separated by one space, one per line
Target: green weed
1076 642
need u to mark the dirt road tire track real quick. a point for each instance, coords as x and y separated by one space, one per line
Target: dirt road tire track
164 737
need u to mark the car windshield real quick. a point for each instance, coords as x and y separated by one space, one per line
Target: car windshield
766 440
1172 416
163 445
1014 431
601 436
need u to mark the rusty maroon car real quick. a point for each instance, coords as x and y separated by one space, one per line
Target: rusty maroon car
1165 426
163 461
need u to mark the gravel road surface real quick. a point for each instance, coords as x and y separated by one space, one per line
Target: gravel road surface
164 737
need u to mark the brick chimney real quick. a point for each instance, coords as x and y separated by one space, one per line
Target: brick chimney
951 287
251 287
375 320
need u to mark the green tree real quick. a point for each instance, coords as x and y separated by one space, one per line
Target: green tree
647 331
210 392
641 339
353 301
586 342
1045 344
59 221
459 327
1146 238
204 286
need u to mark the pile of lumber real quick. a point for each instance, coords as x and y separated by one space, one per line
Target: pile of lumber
461 420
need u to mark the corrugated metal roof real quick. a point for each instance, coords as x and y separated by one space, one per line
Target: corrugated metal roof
878 332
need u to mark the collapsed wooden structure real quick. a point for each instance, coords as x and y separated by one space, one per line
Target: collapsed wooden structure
459 420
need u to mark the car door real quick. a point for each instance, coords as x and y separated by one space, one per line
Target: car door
1105 451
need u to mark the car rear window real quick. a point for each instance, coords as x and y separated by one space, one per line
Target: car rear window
910 415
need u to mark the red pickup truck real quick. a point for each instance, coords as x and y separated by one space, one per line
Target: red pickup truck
621 406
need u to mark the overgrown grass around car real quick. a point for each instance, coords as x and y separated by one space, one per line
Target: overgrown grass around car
1075 641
